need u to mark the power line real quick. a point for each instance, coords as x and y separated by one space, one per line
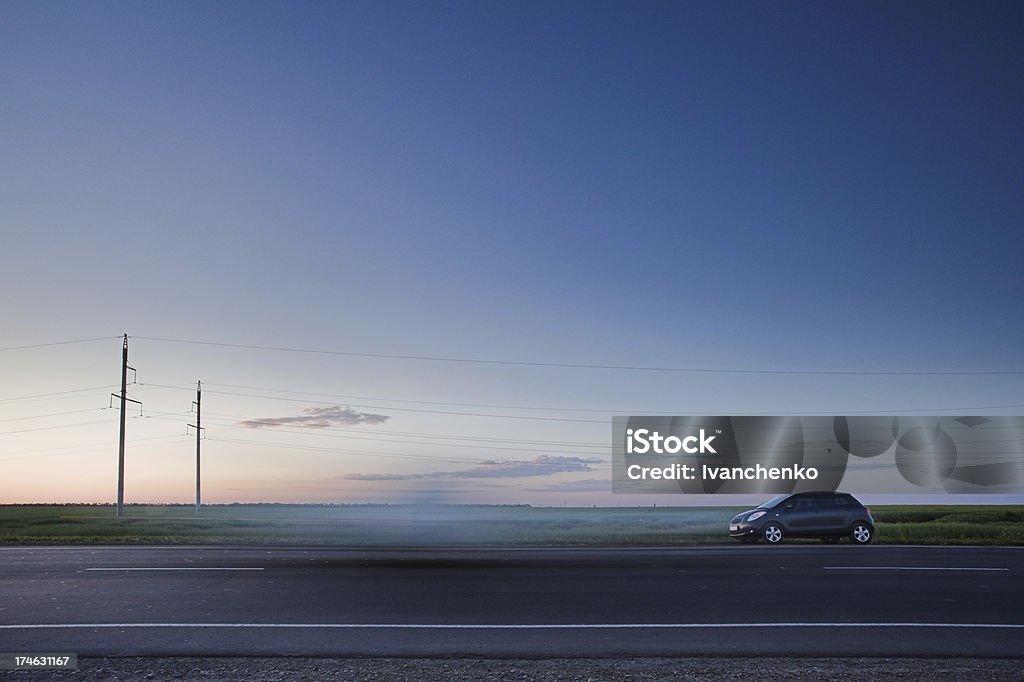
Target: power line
400 409
569 365
60 343
51 414
480 460
79 449
51 428
437 402
401 400
332 433
945 410
545 419
236 418
374 453
550 450
418 410
392 408
57 393
483 449
649 413
439 436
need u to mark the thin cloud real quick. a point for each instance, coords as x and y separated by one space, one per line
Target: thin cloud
319 418
544 465
585 486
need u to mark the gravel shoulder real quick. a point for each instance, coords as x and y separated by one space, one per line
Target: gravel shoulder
561 669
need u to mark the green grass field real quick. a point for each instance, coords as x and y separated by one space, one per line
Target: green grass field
367 526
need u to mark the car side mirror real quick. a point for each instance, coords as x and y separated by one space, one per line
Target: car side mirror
789 507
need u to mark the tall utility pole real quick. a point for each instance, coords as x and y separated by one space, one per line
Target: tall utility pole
198 426
120 442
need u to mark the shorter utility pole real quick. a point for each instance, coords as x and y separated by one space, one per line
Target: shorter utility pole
120 443
198 426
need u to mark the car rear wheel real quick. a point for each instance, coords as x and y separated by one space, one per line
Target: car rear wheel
861 533
773 534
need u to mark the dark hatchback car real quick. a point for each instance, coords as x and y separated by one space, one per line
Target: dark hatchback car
829 516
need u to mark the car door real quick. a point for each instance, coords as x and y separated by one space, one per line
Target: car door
799 514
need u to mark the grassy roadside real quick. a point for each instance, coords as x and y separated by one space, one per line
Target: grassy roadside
950 525
453 526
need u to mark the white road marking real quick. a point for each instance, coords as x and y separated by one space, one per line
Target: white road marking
511 626
184 568
910 568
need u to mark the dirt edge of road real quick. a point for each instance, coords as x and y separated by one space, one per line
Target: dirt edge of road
567 669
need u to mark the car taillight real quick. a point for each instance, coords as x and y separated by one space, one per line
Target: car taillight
868 510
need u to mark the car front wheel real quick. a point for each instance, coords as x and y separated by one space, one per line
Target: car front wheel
773 534
861 533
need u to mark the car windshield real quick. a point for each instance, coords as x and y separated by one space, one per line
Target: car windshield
772 502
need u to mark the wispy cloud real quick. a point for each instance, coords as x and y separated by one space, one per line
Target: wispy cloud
544 465
585 486
318 418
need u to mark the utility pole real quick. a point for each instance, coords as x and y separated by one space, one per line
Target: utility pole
198 426
120 442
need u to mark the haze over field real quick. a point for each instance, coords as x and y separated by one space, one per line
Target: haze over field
479 209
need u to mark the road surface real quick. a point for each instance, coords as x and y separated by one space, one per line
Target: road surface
799 599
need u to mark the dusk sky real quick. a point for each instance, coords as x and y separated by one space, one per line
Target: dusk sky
826 191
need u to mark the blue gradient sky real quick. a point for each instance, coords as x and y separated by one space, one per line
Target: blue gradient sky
743 185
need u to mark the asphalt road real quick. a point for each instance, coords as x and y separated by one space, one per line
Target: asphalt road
732 600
